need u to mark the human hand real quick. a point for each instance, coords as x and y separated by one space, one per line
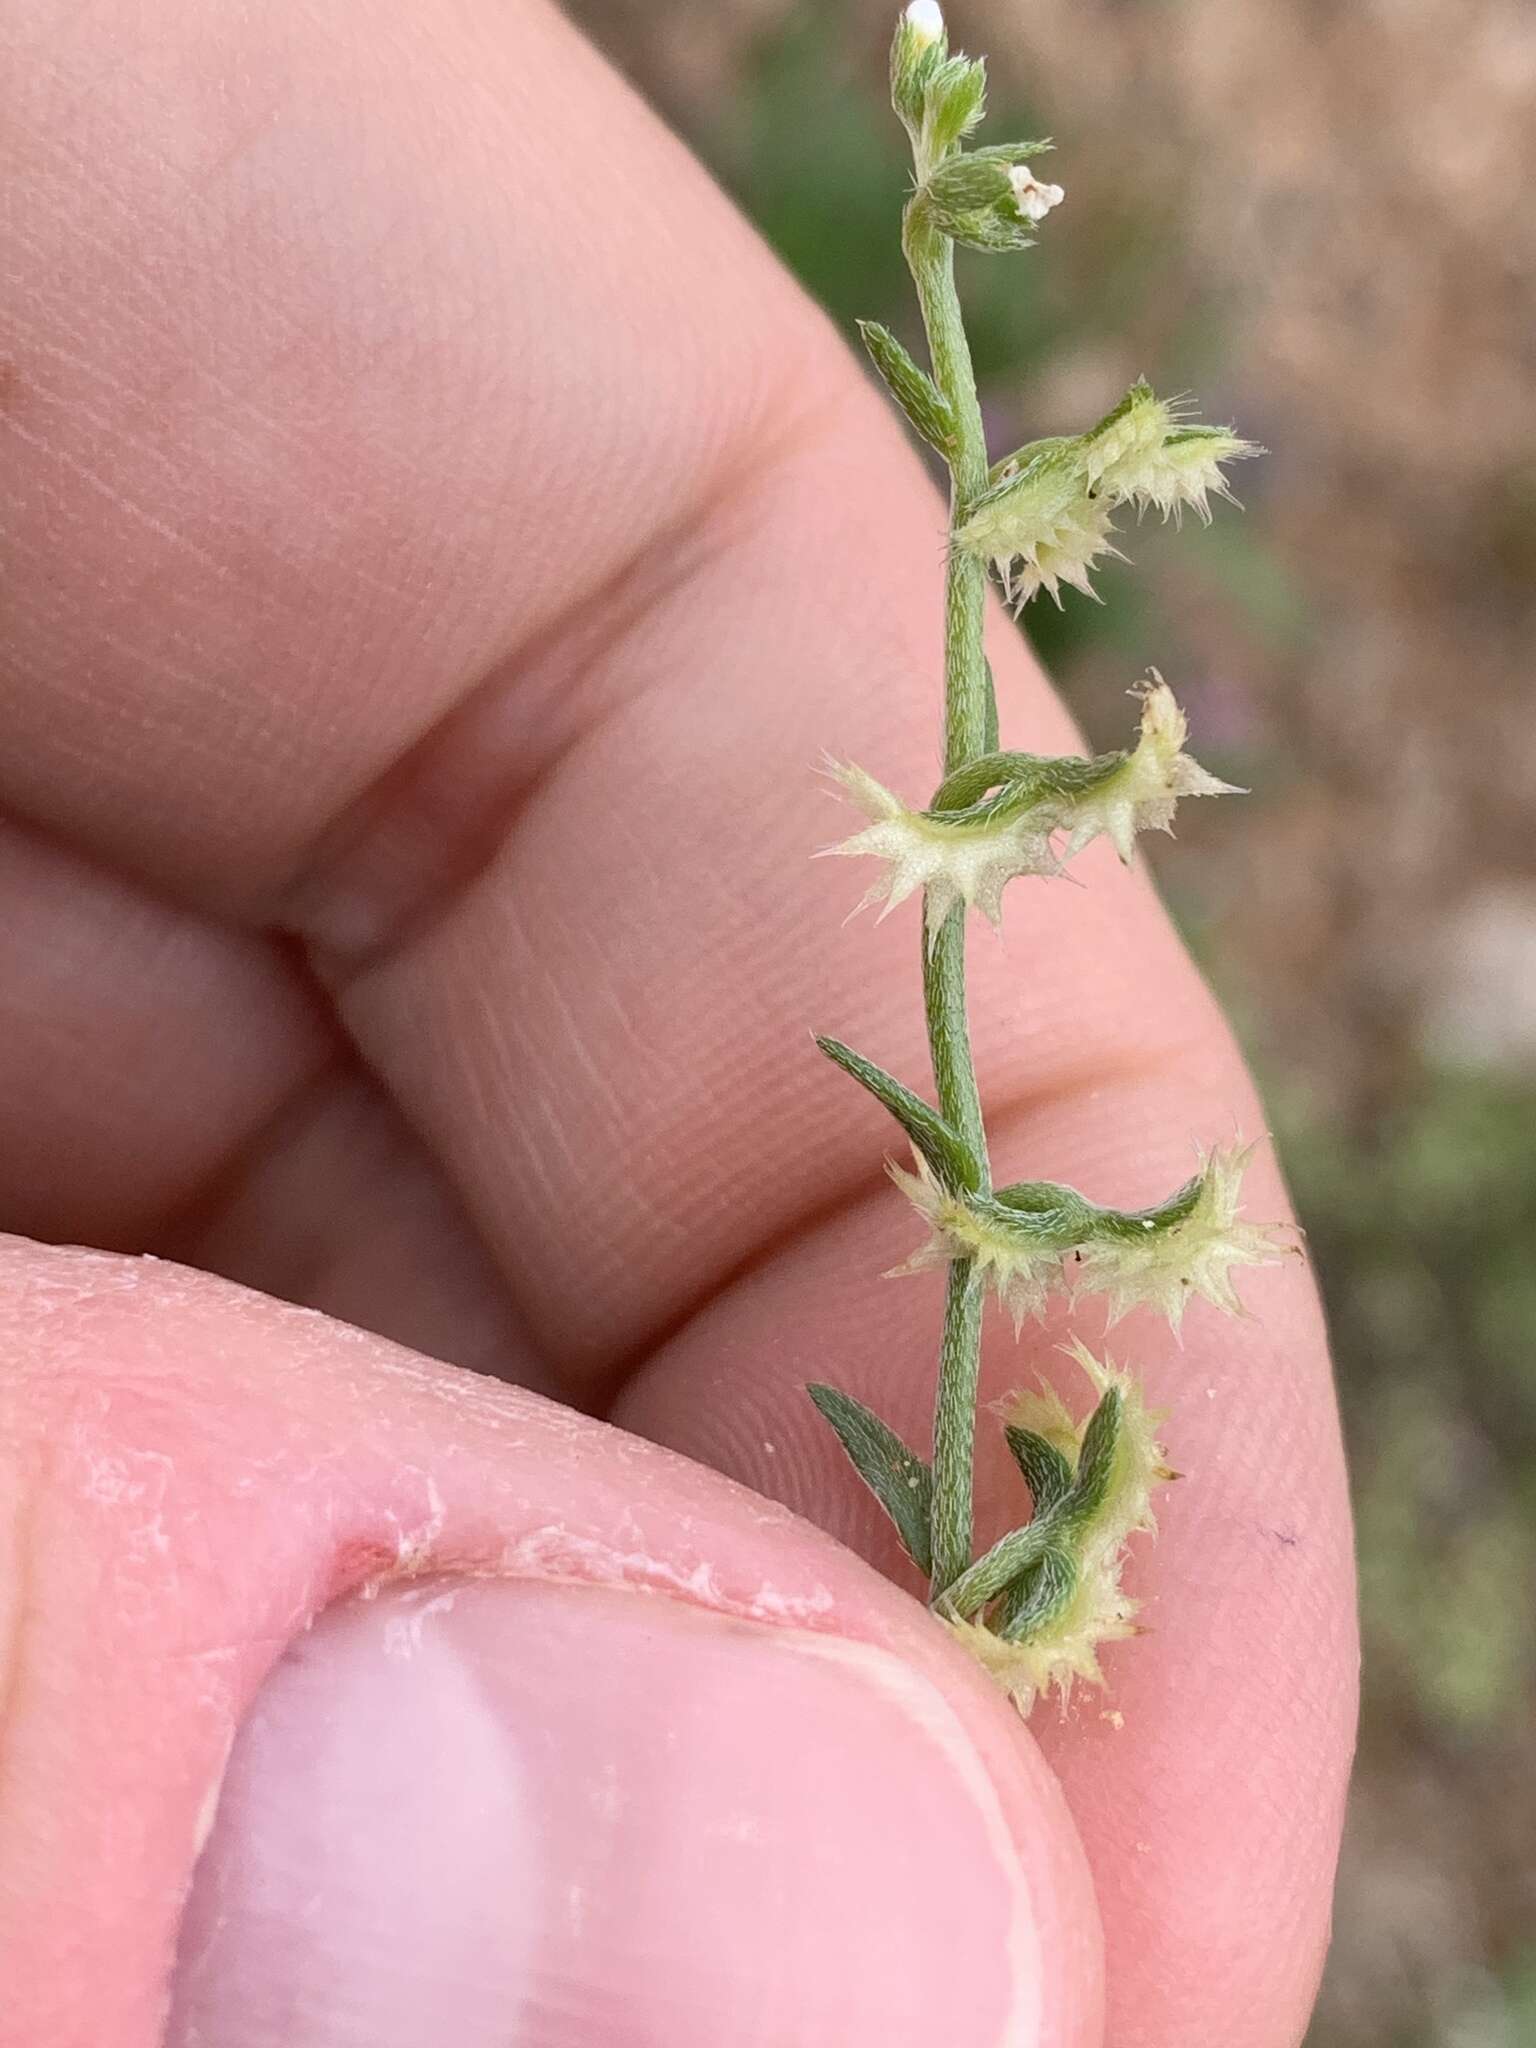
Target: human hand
439 543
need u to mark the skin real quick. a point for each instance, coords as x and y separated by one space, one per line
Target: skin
438 544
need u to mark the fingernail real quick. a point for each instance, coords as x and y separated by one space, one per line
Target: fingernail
521 1816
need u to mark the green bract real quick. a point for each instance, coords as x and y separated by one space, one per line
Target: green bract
913 389
1041 526
1010 815
1038 1607
988 198
1038 1238
1045 517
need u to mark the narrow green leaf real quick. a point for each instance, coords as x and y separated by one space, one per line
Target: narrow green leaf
1009 153
1096 1460
1129 1226
951 1159
1037 1598
957 100
1045 1211
996 1571
989 735
913 389
968 785
897 1477
1046 1472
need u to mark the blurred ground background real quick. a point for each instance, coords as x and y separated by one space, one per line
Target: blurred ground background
1319 218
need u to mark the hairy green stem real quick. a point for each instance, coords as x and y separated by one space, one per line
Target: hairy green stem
969 730
954 1425
967 684
931 258
949 1034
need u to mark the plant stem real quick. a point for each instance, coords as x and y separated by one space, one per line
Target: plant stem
949 1034
967 686
969 730
954 1426
931 259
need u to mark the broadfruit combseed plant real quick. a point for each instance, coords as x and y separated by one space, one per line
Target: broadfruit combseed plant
1038 1605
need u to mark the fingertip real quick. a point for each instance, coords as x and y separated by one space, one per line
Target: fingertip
442 1620
521 1815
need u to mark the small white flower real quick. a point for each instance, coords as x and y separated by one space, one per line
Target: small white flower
953 863
926 20
1033 199
1167 1266
1143 793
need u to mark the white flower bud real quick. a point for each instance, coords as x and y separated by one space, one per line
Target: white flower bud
1033 199
926 20
918 52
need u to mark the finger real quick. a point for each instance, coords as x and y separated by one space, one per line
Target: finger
586 1745
168 1081
603 927
343 369
320 470
143 1047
